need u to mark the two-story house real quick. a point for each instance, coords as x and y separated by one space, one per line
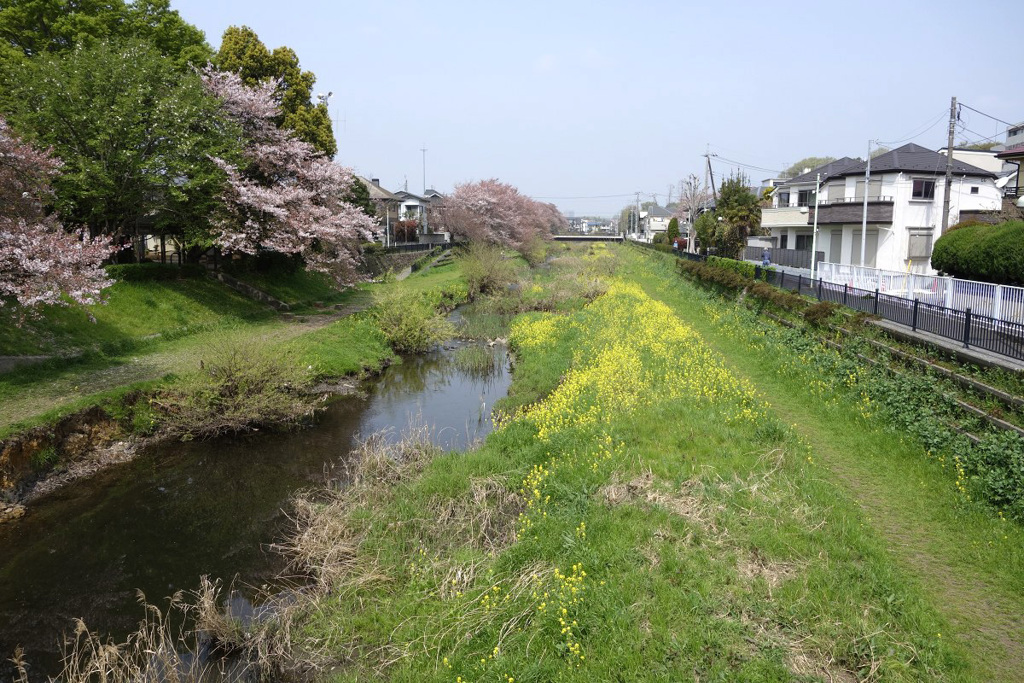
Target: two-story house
904 208
786 219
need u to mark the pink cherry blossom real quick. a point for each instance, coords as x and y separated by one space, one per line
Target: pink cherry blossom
283 196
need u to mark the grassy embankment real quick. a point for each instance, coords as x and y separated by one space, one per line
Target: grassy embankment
885 440
153 332
642 514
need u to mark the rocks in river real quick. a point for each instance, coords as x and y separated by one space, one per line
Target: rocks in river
9 513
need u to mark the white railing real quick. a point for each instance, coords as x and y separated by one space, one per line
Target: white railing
1002 302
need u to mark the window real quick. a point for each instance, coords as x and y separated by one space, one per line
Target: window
804 242
923 189
920 244
805 198
784 198
874 190
782 241
836 192
974 189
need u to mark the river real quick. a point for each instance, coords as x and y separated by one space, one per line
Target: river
182 510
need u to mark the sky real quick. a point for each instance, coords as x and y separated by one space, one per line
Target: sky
583 104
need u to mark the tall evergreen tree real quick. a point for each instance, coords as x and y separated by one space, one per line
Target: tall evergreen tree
242 52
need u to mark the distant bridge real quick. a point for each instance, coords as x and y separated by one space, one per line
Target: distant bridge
588 238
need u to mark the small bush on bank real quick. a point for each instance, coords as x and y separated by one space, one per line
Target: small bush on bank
486 269
237 387
820 314
975 251
409 322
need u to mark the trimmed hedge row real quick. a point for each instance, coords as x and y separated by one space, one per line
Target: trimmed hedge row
730 278
991 253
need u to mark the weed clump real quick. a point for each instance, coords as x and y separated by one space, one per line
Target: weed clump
409 322
486 269
236 388
820 315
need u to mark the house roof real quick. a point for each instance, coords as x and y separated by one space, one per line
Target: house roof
1012 152
405 194
831 168
659 212
377 192
913 158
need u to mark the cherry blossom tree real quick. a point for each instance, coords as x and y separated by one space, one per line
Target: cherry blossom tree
496 212
40 262
283 196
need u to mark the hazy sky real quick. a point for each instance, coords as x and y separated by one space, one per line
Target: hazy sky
585 103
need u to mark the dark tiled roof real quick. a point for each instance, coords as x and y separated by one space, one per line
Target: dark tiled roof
914 158
831 168
659 212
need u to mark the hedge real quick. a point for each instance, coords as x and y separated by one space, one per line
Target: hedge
991 253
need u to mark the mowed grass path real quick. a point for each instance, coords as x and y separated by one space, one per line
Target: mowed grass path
966 560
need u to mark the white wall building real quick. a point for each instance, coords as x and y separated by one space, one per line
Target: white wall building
904 208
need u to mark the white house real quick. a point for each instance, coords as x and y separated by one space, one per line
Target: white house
904 208
654 220
786 220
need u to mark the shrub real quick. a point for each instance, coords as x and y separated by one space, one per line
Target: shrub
534 251
744 268
486 269
820 314
409 322
992 253
659 238
237 387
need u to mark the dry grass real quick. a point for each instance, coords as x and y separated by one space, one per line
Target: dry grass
156 651
486 519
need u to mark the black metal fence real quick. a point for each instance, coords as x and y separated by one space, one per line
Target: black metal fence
963 327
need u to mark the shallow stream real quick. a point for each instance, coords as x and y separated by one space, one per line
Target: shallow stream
179 511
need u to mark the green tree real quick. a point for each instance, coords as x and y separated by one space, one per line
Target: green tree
705 227
359 195
134 133
29 28
808 163
242 52
740 211
673 229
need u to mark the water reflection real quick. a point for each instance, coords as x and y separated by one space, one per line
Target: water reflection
183 510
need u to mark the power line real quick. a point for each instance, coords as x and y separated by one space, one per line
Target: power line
750 166
1005 123
910 136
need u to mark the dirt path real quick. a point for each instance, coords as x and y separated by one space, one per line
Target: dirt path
176 357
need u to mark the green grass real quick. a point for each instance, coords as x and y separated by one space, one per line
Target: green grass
345 347
299 288
135 313
967 560
717 542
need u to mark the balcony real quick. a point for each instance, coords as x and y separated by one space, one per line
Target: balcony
851 210
783 217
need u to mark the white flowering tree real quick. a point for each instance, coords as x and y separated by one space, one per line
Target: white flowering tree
283 195
41 262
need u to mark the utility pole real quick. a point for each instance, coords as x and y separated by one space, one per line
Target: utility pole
710 172
424 150
637 231
814 235
669 200
426 225
864 218
949 168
